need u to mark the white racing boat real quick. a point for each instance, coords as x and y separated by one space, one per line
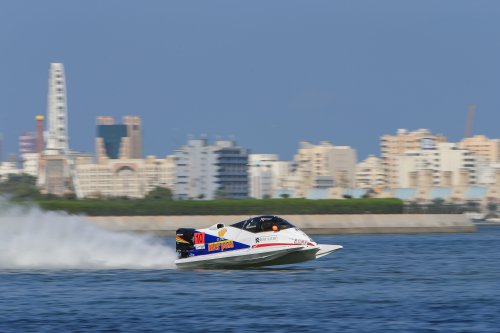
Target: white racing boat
258 241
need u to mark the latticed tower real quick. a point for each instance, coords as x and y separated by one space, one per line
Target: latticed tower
57 170
57 115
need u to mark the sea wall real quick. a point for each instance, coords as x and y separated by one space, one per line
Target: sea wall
311 224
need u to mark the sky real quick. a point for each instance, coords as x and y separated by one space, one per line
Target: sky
268 74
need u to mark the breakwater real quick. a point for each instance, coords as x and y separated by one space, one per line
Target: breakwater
311 224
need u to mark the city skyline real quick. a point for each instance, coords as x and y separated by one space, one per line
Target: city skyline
236 69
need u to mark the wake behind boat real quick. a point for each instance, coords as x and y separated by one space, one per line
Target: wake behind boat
258 241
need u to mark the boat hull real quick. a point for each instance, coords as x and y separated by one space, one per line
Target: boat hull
305 254
258 257
237 258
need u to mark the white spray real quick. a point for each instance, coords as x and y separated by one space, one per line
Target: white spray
33 239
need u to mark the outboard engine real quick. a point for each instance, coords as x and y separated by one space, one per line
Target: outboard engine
184 241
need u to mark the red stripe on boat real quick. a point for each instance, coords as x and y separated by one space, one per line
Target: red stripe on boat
275 244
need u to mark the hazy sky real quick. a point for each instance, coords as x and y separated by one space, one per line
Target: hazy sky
269 73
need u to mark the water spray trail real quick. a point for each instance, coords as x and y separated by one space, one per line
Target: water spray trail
33 239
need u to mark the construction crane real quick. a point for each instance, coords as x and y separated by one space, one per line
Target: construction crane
470 120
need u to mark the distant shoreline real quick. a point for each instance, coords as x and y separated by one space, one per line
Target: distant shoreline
327 224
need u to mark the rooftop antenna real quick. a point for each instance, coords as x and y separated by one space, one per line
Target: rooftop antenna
470 120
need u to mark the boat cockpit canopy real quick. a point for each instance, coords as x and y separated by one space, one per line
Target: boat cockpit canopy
263 223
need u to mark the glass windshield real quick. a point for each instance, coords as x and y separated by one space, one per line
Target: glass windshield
264 223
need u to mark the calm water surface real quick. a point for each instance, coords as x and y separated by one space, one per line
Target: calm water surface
378 283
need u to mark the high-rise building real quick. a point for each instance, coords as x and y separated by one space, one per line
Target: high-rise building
27 144
268 175
480 145
392 146
443 165
119 141
211 171
323 166
261 175
370 173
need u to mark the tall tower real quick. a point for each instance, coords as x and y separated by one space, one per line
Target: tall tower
57 174
57 111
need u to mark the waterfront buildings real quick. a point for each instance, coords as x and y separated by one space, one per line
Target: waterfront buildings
409 160
392 146
480 145
323 166
443 164
370 173
120 170
132 178
119 140
269 176
211 171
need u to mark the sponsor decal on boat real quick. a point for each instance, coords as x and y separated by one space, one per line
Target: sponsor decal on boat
222 232
265 239
199 246
199 238
180 239
223 245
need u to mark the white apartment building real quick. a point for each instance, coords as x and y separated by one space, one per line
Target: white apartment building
132 178
8 168
370 173
268 175
392 146
195 171
323 166
443 164
30 164
211 171
260 172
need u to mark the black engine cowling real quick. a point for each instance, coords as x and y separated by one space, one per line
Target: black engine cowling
184 241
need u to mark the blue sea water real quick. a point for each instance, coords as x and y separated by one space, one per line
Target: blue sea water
377 283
